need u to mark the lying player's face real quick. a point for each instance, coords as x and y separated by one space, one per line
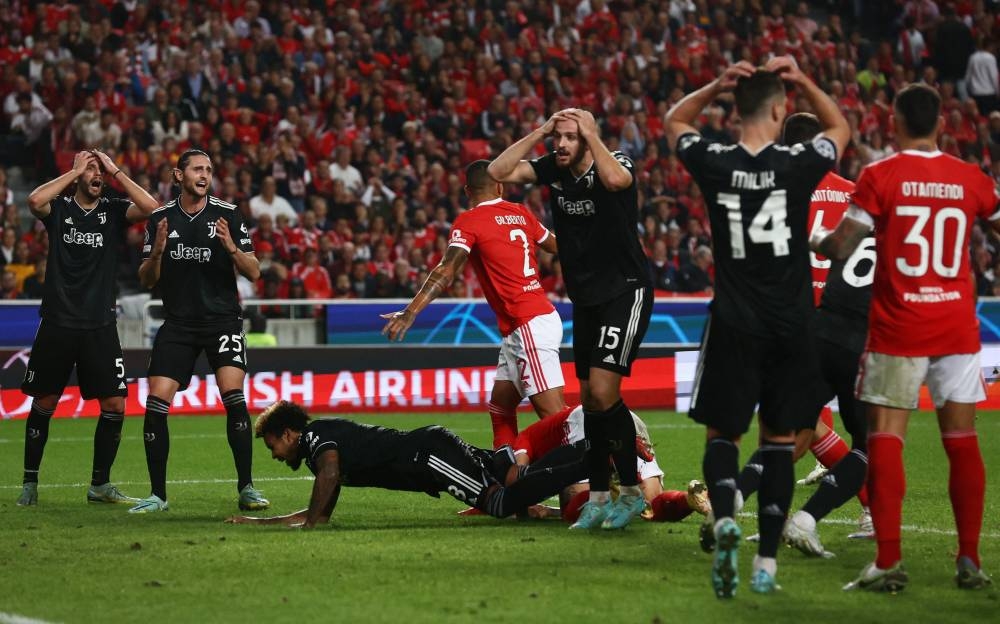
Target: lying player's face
91 183
196 178
284 448
569 147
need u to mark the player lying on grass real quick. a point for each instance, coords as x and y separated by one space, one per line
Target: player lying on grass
429 459
566 429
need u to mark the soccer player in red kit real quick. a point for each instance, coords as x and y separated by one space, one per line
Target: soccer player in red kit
922 326
500 239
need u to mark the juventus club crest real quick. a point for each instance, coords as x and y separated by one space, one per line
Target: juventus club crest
102 217
211 229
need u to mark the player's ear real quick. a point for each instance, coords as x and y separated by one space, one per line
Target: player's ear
178 175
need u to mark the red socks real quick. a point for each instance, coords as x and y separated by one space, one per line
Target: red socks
966 486
670 506
504 425
826 415
571 512
830 449
887 484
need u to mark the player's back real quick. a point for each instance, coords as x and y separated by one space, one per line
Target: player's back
501 238
827 206
758 207
923 205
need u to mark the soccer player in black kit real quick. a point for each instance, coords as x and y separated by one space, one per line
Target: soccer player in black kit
595 212
758 345
430 459
194 244
78 326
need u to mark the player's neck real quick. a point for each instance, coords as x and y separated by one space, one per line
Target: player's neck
85 202
479 199
923 144
583 166
191 205
756 137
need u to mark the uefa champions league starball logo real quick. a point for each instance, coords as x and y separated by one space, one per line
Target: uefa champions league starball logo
17 363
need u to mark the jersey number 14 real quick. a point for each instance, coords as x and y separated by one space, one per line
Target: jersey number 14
768 225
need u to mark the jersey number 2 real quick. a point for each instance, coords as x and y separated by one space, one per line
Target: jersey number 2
768 225
520 235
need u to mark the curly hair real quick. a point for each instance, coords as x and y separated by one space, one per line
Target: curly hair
279 417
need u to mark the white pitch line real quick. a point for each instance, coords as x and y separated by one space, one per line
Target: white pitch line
910 528
13 618
46 486
179 436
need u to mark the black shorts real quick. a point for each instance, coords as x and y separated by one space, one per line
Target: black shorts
608 335
177 347
96 353
737 371
839 367
451 465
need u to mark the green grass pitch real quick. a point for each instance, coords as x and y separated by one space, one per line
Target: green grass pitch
402 557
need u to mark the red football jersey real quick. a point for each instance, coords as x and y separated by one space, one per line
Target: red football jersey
829 203
923 205
501 237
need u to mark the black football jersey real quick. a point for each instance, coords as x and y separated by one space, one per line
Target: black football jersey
758 206
197 275
847 296
598 232
370 456
80 286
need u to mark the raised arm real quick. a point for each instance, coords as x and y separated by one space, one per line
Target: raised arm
38 200
680 119
614 175
437 282
143 203
149 270
511 166
835 126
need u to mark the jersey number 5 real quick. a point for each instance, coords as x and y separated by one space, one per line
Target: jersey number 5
768 225
520 235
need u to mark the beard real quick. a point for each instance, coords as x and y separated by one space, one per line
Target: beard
574 159
91 190
195 191
294 464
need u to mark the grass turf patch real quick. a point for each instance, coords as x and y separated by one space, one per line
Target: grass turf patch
396 556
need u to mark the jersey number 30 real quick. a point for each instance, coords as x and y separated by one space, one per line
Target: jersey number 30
768 225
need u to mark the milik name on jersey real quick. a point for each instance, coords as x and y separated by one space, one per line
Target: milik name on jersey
75 237
753 180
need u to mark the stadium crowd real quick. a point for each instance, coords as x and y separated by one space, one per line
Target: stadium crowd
340 129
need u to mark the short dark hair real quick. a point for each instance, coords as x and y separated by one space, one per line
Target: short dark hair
477 176
279 417
753 92
919 106
800 128
186 157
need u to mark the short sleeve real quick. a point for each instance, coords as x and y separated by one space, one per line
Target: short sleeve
865 194
691 150
537 231
149 237
55 210
545 168
463 234
240 233
812 160
316 445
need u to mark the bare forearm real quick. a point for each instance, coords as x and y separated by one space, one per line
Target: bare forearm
149 271
324 489
139 196
686 111
247 264
504 165
297 517
830 118
436 283
614 176
50 190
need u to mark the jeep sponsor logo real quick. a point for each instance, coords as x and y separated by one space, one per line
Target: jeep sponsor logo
91 239
198 254
584 207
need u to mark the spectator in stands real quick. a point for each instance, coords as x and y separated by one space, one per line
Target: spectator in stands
8 285
981 77
694 276
21 265
664 272
362 281
342 169
269 203
951 59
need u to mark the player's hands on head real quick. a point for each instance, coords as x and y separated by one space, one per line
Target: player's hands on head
584 120
222 233
81 161
729 78
550 124
787 68
107 164
398 323
160 243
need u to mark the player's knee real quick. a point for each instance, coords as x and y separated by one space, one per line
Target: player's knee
113 404
47 403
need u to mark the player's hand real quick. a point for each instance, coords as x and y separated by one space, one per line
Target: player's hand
585 120
550 124
222 233
398 323
787 68
81 161
107 164
160 243
727 81
237 520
